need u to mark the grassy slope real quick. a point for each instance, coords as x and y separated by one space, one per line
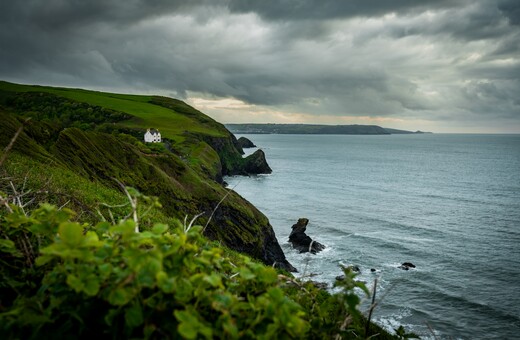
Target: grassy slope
171 124
185 184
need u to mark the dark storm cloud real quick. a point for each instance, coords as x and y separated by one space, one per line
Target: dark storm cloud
60 14
404 58
332 9
511 9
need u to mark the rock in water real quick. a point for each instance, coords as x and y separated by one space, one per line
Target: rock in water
256 164
407 265
246 143
301 241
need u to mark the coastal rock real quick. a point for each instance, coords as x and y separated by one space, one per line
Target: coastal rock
301 241
256 164
406 266
246 143
274 256
355 269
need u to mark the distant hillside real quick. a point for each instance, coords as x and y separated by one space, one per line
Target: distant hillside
403 132
308 129
315 129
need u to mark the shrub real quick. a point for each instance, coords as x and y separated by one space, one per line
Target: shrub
108 279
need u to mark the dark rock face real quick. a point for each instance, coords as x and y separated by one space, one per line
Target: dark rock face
406 266
246 143
301 241
256 164
273 254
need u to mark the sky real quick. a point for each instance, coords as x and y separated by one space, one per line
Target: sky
431 65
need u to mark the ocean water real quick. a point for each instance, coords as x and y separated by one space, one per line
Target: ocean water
450 204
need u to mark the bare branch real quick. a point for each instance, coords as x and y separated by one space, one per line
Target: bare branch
16 197
63 205
216 207
133 203
188 227
101 215
6 204
372 306
11 143
114 206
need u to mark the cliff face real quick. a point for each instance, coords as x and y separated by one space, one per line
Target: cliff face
231 160
236 222
185 177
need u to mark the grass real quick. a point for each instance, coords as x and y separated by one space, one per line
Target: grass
172 124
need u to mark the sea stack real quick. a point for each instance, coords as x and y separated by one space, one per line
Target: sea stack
246 143
302 241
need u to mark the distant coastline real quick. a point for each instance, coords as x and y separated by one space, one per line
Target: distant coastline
315 129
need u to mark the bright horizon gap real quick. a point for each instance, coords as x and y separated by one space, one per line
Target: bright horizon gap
229 110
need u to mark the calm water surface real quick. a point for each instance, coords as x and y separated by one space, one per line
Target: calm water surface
448 203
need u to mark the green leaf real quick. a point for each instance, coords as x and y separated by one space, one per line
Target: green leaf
91 286
119 297
17 218
92 240
148 331
75 283
134 316
214 280
102 227
8 246
71 233
160 228
247 274
126 228
276 294
104 270
111 315
43 259
268 275
165 283
184 289
190 326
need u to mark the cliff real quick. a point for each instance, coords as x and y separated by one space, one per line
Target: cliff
76 136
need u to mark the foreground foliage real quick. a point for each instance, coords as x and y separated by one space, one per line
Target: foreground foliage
60 278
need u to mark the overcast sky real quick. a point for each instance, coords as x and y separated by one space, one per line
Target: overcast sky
443 66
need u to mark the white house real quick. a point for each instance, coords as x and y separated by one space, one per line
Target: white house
152 136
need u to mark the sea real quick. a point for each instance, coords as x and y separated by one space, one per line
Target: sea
448 203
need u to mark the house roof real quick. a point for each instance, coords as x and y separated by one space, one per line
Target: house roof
153 131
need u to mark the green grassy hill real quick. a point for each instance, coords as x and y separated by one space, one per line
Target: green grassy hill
172 116
77 144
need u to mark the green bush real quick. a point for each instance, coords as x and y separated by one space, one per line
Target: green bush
110 280
60 279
